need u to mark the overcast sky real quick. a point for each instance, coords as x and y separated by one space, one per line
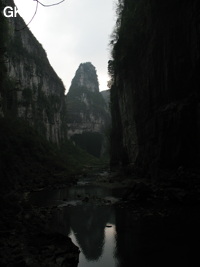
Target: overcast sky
73 32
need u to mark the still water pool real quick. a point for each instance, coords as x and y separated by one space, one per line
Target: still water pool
104 255
110 235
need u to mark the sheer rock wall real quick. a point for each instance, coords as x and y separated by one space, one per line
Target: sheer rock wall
32 90
155 97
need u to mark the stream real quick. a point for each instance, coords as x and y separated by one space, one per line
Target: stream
109 234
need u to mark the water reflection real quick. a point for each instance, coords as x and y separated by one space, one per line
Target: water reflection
92 228
107 258
88 225
110 236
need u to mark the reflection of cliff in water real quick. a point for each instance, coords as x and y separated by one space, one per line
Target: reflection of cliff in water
127 237
155 241
137 238
88 225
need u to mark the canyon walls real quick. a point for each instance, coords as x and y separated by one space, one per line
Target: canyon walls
31 90
155 97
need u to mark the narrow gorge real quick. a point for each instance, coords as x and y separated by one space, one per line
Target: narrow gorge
103 178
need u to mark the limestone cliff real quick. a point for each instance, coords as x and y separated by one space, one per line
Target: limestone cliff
32 89
88 116
155 95
106 96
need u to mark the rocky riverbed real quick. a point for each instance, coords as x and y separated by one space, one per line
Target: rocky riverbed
27 239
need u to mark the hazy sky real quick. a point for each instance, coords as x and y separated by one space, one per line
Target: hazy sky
73 32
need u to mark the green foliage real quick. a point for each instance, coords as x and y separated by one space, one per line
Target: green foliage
115 33
23 153
130 34
76 158
90 142
26 157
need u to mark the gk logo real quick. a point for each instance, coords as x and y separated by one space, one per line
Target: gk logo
10 11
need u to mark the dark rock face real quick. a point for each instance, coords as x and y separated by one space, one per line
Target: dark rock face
106 96
88 115
31 90
155 91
